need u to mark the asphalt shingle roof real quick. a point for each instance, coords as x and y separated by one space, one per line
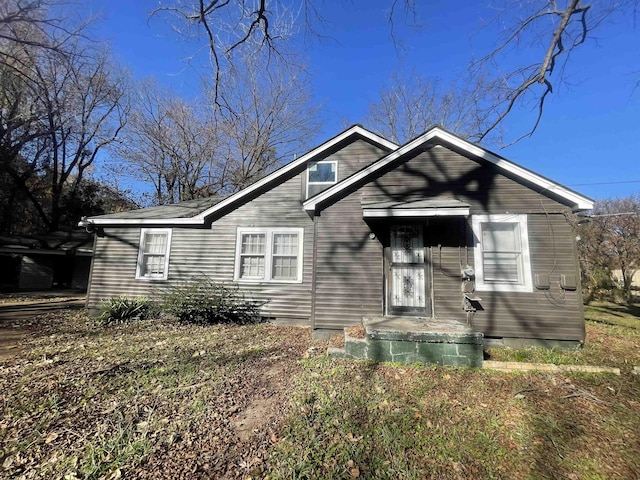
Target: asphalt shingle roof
186 209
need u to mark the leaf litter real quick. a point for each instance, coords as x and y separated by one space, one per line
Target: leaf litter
150 400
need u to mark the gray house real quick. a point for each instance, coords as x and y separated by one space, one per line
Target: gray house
438 228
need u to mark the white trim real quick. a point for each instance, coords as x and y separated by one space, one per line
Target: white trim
146 221
200 219
269 232
414 212
521 220
355 130
334 162
581 202
143 233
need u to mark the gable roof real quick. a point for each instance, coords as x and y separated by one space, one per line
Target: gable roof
438 134
177 215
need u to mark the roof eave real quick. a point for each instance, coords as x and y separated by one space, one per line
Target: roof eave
579 202
415 212
140 221
231 200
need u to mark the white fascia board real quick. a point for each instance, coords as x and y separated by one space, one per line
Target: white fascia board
356 129
582 203
145 221
414 212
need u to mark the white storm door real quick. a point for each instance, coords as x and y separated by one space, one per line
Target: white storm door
407 285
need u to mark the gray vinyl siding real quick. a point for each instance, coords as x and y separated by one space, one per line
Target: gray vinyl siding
351 158
443 173
344 292
548 314
350 269
211 251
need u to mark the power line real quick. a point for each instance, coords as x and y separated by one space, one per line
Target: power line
602 183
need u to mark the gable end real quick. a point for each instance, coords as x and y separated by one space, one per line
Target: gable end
437 135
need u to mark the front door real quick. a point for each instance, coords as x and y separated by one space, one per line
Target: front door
407 279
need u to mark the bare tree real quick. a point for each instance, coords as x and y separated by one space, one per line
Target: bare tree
29 25
55 119
236 29
539 38
190 149
411 104
172 144
611 240
266 119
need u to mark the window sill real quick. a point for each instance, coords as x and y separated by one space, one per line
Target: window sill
503 288
152 279
266 282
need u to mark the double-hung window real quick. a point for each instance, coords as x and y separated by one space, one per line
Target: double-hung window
269 255
502 253
153 254
320 176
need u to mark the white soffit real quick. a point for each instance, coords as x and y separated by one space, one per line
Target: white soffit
144 221
425 207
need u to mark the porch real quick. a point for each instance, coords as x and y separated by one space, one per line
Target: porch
413 339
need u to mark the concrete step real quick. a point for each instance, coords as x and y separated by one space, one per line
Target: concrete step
408 341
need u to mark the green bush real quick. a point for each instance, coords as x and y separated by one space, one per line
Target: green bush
123 309
204 302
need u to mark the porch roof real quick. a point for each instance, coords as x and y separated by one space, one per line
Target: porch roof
433 207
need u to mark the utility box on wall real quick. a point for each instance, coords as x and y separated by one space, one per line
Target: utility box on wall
568 282
541 281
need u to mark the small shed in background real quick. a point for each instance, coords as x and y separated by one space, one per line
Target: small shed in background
60 260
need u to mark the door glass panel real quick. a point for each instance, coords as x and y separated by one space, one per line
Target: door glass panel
408 278
406 244
408 286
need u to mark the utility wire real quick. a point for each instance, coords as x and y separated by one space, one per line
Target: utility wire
602 183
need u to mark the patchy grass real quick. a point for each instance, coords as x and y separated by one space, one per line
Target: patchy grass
163 400
356 419
623 319
145 400
613 340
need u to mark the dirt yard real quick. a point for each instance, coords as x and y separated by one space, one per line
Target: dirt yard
19 315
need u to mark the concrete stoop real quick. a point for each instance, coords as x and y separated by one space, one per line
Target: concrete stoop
414 340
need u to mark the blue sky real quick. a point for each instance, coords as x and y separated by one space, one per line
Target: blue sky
590 129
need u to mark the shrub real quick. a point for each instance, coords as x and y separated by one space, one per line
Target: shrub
204 301
123 309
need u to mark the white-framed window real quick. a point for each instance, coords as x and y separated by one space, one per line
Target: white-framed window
501 253
320 176
269 255
153 255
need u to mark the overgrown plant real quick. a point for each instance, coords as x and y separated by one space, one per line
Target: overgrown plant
205 302
124 309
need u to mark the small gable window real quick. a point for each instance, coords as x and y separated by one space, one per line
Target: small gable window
502 253
320 176
269 255
153 255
